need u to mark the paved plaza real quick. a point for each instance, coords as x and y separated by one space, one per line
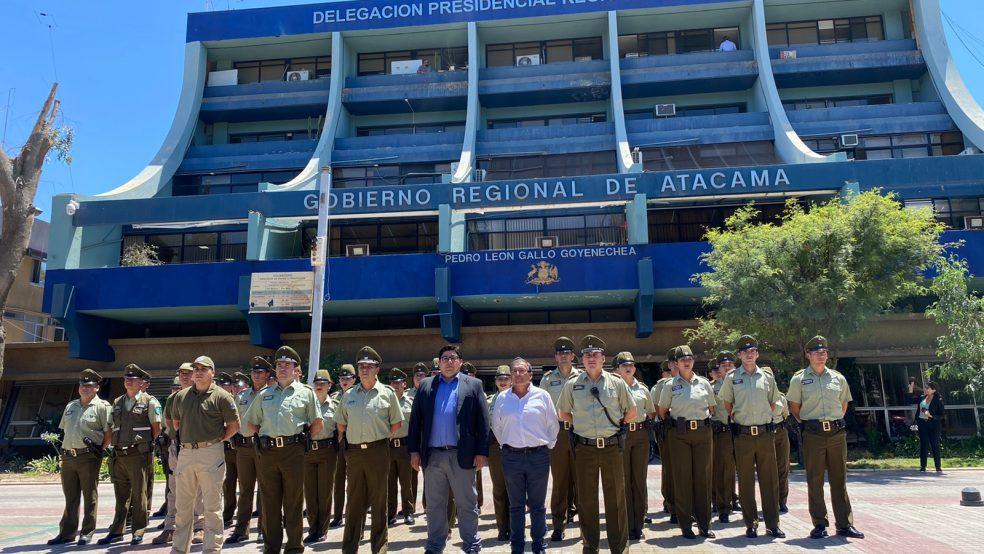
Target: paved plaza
899 511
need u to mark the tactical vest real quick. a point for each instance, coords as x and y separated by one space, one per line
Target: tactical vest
132 426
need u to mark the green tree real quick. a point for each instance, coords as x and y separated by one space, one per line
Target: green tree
825 271
961 314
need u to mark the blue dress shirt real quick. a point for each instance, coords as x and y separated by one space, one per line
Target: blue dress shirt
444 430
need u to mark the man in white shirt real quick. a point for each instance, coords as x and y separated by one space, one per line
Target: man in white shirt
727 46
525 422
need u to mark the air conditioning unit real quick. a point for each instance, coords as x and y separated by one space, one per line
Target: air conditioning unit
224 78
480 175
974 222
665 110
636 156
298 75
787 54
529 59
849 140
352 250
548 242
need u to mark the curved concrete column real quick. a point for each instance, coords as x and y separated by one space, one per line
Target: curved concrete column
307 179
466 163
960 104
788 145
159 171
622 152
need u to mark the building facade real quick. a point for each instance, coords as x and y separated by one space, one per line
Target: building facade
505 171
24 319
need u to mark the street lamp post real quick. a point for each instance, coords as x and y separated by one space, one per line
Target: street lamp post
318 263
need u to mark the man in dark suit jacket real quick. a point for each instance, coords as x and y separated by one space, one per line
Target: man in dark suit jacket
449 439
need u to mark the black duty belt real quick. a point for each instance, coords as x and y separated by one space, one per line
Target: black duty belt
398 443
824 425
681 424
780 426
240 440
753 430
597 443
719 427
524 450
365 445
633 427
280 442
322 443
75 452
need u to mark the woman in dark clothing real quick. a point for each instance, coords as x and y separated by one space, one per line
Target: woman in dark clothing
929 421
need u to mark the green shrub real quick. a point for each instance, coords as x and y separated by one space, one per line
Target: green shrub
45 465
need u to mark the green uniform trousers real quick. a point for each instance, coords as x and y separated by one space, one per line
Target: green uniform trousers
723 471
366 491
635 458
589 462
130 474
400 475
691 452
666 464
414 487
338 502
246 472
80 481
827 452
282 483
782 463
500 498
229 485
756 455
319 478
563 495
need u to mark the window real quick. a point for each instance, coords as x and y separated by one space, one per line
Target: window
486 319
691 224
951 211
676 42
259 71
552 165
578 230
814 103
687 111
392 237
37 408
273 136
37 271
440 59
226 183
905 145
198 247
546 121
826 31
401 174
731 154
420 128
550 51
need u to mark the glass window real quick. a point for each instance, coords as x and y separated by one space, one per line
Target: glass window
233 246
803 33
200 247
168 247
825 31
273 70
628 44
38 408
559 51
499 55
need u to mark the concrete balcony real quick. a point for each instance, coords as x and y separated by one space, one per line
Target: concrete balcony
422 147
687 73
872 120
703 129
267 101
555 83
848 63
290 154
387 94
555 139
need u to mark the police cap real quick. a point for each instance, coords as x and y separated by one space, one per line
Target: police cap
89 377
367 355
287 354
468 368
563 344
817 343
133 370
396 375
503 371
725 356
623 358
223 378
420 368
591 343
746 342
347 370
259 363
682 351
322 376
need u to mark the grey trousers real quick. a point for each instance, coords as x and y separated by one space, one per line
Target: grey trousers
172 483
443 477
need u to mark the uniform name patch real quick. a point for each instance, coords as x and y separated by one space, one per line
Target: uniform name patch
269 397
677 387
243 402
807 381
554 383
739 381
578 387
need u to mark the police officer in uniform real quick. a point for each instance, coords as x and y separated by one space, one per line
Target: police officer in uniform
245 448
818 398
689 401
400 472
283 418
752 397
225 381
563 496
137 418
346 378
319 463
369 415
164 451
782 450
668 372
597 404
419 374
723 465
87 423
636 450
500 497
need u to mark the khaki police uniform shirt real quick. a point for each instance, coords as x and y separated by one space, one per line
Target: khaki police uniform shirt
244 400
720 412
589 418
753 396
154 411
553 382
202 416
368 414
820 396
490 403
283 411
85 422
328 417
406 405
643 401
657 388
780 415
688 399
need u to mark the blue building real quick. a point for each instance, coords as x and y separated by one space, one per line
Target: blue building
506 171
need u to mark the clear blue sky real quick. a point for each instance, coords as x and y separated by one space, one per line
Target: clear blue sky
118 65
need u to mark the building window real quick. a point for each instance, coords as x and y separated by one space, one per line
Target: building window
437 59
381 175
687 111
826 31
815 103
391 237
260 71
705 156
546 121
691 224
547 51
905 145
227 183
577 230
273 136
676 42
193 248
37 271
602 315
548 165
951 211
414 129
37 408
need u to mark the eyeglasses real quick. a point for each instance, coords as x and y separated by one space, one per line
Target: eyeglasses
450 359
